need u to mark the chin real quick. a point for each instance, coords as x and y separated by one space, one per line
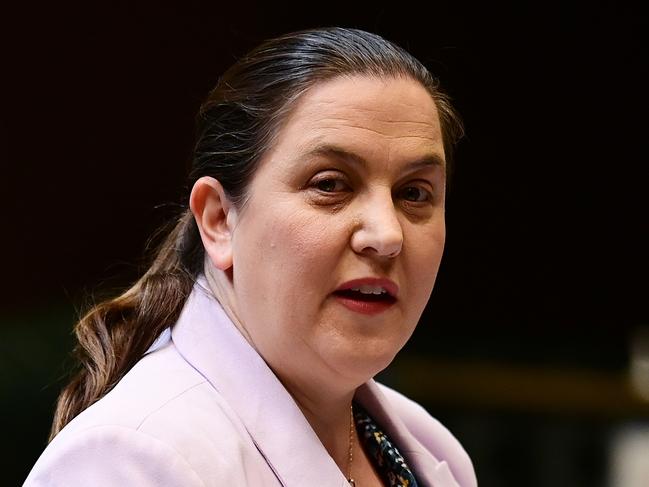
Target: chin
364 363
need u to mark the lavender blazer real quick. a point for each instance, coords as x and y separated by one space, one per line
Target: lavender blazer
202 408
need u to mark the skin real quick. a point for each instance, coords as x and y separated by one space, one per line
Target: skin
354 187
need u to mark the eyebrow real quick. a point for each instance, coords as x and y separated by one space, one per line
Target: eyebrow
328 150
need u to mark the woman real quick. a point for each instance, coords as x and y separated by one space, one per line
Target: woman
310 247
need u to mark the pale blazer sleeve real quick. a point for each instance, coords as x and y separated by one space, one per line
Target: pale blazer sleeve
112 456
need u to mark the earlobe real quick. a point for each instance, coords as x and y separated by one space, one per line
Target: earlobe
215 217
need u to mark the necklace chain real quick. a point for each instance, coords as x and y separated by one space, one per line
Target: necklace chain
352 430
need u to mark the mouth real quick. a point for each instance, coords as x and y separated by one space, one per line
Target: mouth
367 296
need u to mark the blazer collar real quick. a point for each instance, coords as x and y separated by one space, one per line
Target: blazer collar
206 337
428 470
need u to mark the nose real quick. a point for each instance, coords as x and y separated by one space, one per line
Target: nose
378 230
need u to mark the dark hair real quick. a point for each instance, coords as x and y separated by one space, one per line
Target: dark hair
236 125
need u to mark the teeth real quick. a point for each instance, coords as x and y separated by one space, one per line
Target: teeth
364 289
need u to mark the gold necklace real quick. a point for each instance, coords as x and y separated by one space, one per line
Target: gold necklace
352 430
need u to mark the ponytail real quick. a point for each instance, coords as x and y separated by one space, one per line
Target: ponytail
114 334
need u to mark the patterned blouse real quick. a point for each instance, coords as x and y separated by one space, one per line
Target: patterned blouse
388 462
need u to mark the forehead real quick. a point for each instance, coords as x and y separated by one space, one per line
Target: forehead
374 116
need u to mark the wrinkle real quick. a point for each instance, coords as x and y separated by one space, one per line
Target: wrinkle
406 135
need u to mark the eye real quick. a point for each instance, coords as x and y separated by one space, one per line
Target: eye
330 185
415 194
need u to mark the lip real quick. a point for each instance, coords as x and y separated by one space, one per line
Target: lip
368 307
390 286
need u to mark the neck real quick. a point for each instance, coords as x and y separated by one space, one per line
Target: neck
328 413
220 284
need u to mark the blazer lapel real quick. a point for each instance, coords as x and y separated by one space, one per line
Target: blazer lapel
210 342
429 471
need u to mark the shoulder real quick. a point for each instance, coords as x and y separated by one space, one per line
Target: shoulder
109 455
432 434
157 425
160 382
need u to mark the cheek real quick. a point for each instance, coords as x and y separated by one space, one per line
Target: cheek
293 251
287 280
424 258
300 237
431 248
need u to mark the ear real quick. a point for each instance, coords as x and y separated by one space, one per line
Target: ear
215 218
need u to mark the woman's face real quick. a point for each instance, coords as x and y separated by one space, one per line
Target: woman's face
353 188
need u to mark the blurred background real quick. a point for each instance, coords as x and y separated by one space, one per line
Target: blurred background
534 349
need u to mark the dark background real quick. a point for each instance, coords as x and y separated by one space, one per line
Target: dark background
524 349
